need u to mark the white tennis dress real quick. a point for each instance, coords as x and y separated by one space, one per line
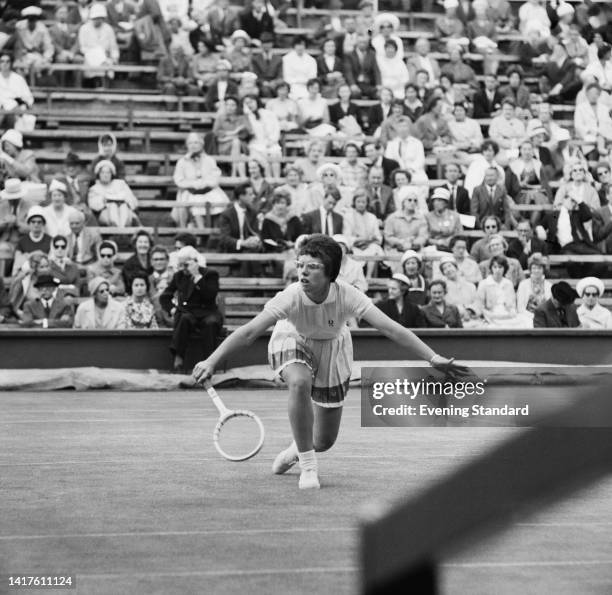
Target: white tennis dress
317 335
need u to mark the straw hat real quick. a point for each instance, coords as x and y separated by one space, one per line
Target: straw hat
386 17
13 189
589 282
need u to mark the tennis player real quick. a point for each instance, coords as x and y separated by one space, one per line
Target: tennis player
311 349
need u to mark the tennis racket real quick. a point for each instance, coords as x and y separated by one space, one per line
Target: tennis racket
238 435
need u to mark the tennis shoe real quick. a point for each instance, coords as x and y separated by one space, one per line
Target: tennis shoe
284 461
309 480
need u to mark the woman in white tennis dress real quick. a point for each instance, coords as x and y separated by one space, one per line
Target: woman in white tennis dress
311 349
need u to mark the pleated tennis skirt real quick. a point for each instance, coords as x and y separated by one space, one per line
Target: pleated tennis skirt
329 360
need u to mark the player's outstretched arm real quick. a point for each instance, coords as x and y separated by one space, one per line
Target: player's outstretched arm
245 335
406 338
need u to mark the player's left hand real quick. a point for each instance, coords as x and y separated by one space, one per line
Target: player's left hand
451 369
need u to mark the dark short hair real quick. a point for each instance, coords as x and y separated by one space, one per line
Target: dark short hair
327 250
449 75
351 144
280 85
399 171
604 50
411 86
489 144
106 244
142 233
489 217
139 275
280 195
59 237
313 81
456 239
501 260
360 193
515 70
188 239
391 43
333 192
159 249
440 282
298 40
241 190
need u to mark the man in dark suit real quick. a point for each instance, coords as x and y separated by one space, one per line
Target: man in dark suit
361 70
238 223
49 310
324 219
267 66
380 196
256 19
559 311
76 180
196 290
602 224
487 100
459 196
490 198
526 244
230 88
374 154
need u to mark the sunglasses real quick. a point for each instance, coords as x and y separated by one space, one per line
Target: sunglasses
103 290
410 200
591 294
490 226
602 173
60 246
106 255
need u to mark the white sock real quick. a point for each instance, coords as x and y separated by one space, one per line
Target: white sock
308 460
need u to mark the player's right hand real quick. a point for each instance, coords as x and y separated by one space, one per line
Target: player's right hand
203 371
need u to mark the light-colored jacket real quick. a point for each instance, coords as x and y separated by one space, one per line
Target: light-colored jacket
85 317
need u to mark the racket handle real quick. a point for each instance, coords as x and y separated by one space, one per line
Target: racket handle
216 399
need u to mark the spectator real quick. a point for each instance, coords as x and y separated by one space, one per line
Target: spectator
459 198
604 181
352 173
13 213
389 129
285 109
231 130
221 21
197 178
138 263
179 37
380 111
15 161
329 179
351 271
267 66
465 133
412 106
256 20
220 89
438 313
33 47
532 15
240 54
488 99
238 223
75 179
324 219
63 36
298 68
500 13
449 93
506 129
49 309
526 244
460 72
602 223
515 89
498 247
329 70
345 115
361 69
57 214
98 44
422 60
408 151
310 164
398 307
265 142
121 17
401 184
393 71
261 187
599 70
559 80
405 229
380 200
299 197
138 310
180 241
101 311
35 240
460 292
490 198
411 266
159 279
578 187
151 33
483 36
104 268
15 95
386 26
431 127
174 74
442 222
61 267
374 153
559 310
79 13
110 198
83 242
592 122
535 290
196 290
107 151
590 313
496 296
23 284
280 228
491 225
361 229
314 112
347 40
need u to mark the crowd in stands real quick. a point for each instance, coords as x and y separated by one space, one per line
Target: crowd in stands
373 116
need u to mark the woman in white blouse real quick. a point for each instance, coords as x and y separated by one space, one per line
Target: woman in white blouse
314 113
265 142
393 69
57 214
297 189
362 230
285 109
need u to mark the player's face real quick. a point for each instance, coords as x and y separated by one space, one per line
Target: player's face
311 273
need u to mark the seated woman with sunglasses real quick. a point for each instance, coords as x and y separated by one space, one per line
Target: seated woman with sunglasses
311 350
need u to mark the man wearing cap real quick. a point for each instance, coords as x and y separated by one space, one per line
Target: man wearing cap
15 95
298 68
267 66
100 311
35 239
98 43
33 47
256 19
591 313
559 310
15 161
49 310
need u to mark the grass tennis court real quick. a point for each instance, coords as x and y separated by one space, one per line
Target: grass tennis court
126 491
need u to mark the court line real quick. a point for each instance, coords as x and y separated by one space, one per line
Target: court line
178 533
527 564
223 573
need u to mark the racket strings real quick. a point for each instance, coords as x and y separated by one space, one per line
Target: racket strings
239 436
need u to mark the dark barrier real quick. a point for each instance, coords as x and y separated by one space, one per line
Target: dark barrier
62 348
